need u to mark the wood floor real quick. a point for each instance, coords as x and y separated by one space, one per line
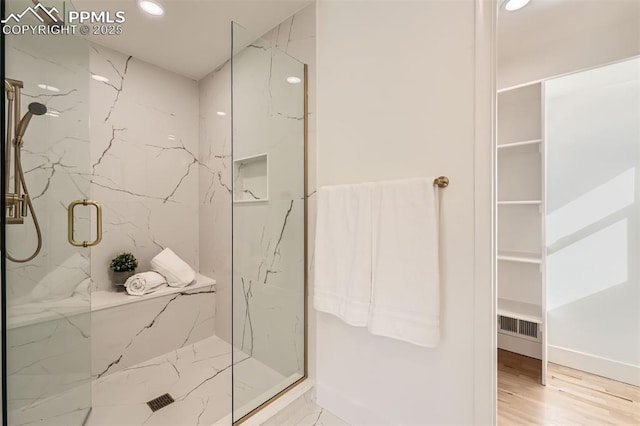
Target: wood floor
571 397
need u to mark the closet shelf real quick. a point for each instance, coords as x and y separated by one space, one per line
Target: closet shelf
516 144
519 202
519 256
520 310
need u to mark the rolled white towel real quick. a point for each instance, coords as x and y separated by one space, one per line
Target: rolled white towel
143 283
177 272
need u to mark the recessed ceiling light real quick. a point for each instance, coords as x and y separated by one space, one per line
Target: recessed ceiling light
512 5
221 113
49 88
151 7
293 80
100 78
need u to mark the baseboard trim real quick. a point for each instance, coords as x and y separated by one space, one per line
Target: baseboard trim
616 370
520 346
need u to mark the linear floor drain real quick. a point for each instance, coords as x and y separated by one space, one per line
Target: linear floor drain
160 402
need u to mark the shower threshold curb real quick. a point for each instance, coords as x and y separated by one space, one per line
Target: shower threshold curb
273 408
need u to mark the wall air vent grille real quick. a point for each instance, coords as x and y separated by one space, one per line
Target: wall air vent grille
528 328
508 324
518 328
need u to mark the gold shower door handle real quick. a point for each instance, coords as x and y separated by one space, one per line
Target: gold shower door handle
71 217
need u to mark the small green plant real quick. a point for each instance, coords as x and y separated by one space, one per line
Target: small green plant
124 262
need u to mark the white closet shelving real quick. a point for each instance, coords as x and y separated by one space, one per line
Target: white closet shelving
521 201
520 256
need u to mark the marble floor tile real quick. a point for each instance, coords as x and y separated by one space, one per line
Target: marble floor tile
197 376
67 408
305 412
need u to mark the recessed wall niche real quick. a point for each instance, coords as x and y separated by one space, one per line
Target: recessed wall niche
251 179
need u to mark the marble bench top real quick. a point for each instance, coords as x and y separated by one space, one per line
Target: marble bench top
108 299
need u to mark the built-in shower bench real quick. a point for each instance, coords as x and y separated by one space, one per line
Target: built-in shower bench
109 299
127 330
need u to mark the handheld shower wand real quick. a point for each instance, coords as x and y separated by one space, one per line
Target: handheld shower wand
19 202
35 108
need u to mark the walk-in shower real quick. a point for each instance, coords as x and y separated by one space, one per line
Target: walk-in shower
91 121
18 203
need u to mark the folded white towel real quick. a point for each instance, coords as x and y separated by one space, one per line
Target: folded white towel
405 302
343 252
143 283
177 272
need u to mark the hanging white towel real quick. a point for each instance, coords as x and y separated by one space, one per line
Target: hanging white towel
343 252
177 272
405 281
144 283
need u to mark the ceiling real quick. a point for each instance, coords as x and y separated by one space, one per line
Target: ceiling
194 36
543 21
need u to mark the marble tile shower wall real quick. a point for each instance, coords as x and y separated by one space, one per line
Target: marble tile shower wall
146 171
144 161
48 357
295 36
143 167
55 152
215 190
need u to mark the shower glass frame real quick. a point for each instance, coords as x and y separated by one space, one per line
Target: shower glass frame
241 39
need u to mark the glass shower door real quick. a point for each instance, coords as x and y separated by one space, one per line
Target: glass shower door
47 318
268 103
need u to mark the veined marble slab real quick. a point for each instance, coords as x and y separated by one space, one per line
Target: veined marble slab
197 376
131 333
144 161
47 358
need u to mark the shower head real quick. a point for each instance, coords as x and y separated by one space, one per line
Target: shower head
35 108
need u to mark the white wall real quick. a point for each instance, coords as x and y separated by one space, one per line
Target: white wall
593 219
396 100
